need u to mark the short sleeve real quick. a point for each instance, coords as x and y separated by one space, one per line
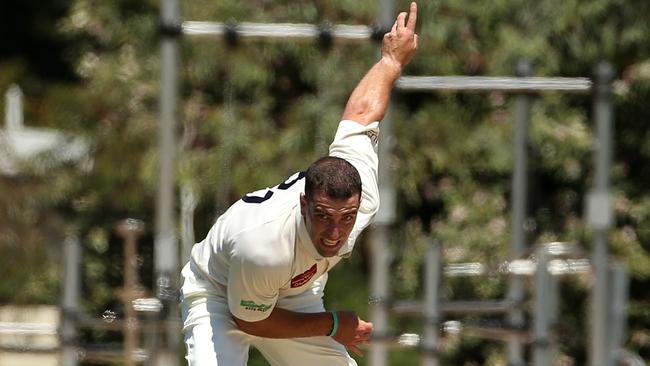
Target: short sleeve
252 291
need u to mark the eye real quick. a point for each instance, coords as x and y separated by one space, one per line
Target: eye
348 218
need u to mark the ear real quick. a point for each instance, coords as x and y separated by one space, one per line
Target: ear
303 205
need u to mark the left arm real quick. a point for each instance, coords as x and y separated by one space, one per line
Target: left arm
352 330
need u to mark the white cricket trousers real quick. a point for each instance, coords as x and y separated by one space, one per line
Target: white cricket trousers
215 340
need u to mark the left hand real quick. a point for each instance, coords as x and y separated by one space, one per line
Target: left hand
353 331
399 45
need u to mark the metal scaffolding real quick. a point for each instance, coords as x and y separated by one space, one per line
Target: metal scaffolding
607 310
524 85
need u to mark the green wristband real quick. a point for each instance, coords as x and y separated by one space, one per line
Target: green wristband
335 326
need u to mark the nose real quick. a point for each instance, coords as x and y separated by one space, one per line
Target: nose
333 231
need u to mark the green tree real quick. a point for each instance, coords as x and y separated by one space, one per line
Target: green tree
254 112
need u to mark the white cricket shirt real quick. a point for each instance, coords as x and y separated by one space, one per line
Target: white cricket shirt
259 250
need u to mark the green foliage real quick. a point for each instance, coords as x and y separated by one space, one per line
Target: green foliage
253 113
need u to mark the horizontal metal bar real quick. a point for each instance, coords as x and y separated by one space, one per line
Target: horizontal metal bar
464 269
27 349
498 333
456 307
276 30
110 353
521 267
119 323
404 340
90 353
407 307
28 328
495 332
475 307
488 83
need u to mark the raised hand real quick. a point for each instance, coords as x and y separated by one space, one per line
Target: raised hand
399 45
369 100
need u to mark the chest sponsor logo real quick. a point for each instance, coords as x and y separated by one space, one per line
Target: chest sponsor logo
304 277
251 305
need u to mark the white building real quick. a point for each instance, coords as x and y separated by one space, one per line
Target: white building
37 148
28 335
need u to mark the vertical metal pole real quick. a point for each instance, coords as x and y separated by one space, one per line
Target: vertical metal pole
379 241
70 301
188 205
542 350
553 310
14 110
130 230
166 247
432 280
379 287
599 213
387 14
386 214
618 312
519 205
325 96
380 232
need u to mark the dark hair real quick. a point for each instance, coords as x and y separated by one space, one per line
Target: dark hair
337 177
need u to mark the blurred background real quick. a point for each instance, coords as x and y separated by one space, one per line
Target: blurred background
79 153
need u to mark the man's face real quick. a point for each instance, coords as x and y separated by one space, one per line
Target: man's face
329 221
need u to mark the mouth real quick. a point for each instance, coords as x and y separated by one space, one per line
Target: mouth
330 243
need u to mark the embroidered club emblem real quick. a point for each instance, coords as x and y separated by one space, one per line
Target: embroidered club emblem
304 277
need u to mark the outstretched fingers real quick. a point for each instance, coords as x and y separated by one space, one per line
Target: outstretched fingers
413 17
400 43
401 20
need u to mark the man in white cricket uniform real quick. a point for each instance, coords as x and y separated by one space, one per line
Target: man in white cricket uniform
258 277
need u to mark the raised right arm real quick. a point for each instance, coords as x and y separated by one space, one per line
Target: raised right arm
369 100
